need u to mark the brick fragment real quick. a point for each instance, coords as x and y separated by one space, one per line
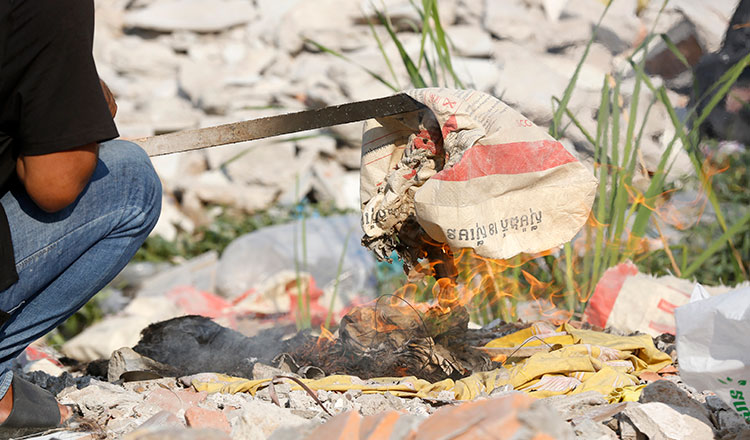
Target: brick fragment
378 427
482 419
175 400
344 426
197 417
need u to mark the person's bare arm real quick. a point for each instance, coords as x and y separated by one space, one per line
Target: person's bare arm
54 181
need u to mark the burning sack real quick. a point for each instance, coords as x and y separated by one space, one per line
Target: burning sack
470 172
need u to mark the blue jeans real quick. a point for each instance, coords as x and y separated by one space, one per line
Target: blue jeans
64 259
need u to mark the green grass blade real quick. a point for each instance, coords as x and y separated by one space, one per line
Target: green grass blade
349 60
339 269
416 78
675 51
716 245
568 93
574 120
441 44
727 80
383 53
602 159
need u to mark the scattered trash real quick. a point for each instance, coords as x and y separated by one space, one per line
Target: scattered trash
630 301
713 346
314 245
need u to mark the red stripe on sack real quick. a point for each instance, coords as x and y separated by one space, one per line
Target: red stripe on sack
666 306
513 158
605 295
450 125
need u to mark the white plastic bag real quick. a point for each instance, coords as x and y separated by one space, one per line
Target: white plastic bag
713 345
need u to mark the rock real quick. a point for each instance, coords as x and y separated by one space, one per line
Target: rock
526 87
628 431
174 401
280 164
727 420
478 74
332 182
171 219
54 384
512 416
570 31
512 20
135 56
111 406
318 143
213 84
576 405
215 188
191 15
658 420
350 158
171 114
160 420
620 27
470 12
587 429
306 20
349 134
207 418
341 427
263 371
126 360
710 19
553 9
263 418
590 76
373 404
470 41
403 11
669 393
180 434
661 61
173 167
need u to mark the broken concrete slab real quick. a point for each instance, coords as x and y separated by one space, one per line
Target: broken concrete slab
125 360
191 15
659 420
620 28
669 393
576 405
512 20
180 434
264 418
590 430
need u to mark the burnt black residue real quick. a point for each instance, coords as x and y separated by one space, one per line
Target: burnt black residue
195 344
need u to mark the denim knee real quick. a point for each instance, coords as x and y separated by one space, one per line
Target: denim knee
135 177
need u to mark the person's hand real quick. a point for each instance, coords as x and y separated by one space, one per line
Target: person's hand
110 98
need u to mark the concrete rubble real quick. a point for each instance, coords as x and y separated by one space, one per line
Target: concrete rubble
169 408
181 64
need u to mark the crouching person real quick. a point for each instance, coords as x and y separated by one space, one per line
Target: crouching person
75 205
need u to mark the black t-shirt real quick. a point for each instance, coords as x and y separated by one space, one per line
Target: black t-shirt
50 96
